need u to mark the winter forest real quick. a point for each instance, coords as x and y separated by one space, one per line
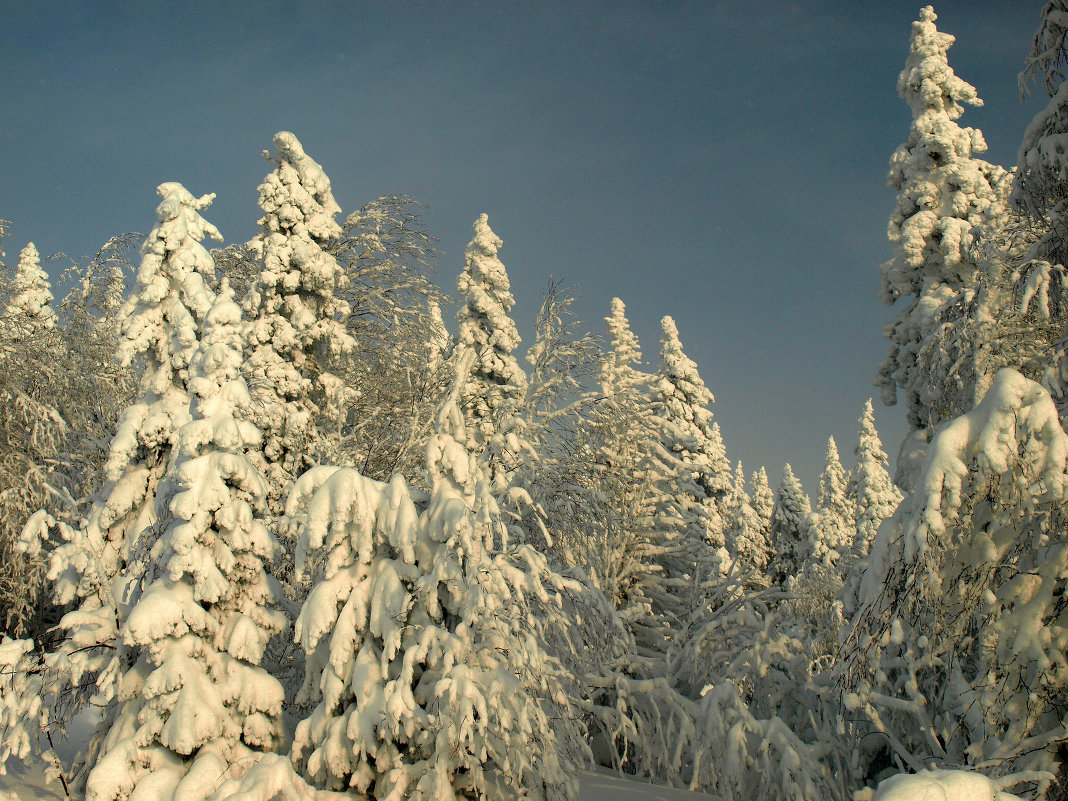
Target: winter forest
275 528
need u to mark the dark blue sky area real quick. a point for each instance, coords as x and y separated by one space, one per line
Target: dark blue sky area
720 162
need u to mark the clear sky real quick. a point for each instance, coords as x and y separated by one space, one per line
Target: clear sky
721 162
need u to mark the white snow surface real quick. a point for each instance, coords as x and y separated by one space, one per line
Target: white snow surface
29 783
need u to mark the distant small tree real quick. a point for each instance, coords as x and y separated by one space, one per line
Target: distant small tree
29 304
789 521
831 525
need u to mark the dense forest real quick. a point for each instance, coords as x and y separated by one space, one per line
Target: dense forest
277 531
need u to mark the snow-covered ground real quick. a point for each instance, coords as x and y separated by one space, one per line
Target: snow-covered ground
28 783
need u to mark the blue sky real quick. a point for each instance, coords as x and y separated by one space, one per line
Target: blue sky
721 162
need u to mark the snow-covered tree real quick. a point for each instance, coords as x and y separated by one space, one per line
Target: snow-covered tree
1042 165
690 456
428 680
943 192
29 305
296 333
496 382
870 491
196 700
788 528
873 498
598 516
764 500
830 527
747 535
957 654
534 453
98 566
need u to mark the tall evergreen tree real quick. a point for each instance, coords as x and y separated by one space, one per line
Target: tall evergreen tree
762 497
830 527
789 521
943 192
98 567
496 383
295 325
870 490
196 700
747 540
689 460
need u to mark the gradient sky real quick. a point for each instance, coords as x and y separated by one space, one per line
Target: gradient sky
721 162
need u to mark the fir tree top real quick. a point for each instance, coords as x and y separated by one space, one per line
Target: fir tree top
31 295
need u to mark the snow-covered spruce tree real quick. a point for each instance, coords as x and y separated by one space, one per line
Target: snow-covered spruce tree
690 480
957 654
763 499
428 681
496 383
295 329
943 192
788 534
747 535
873 497
831 525
29 305
196 701
816 606
872 493
97 567
690 455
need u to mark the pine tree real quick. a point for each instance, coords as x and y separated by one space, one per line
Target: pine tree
747 540
98 567
763 498
830 527
196 700
428 682
870 489
295 330
943 192
619 370
788 528
29 304
689 460
496 383
873 497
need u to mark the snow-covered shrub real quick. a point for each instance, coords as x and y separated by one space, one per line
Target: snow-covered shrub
421 656
957 654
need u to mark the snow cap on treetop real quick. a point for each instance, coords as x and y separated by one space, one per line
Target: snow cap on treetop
289 150
928 82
